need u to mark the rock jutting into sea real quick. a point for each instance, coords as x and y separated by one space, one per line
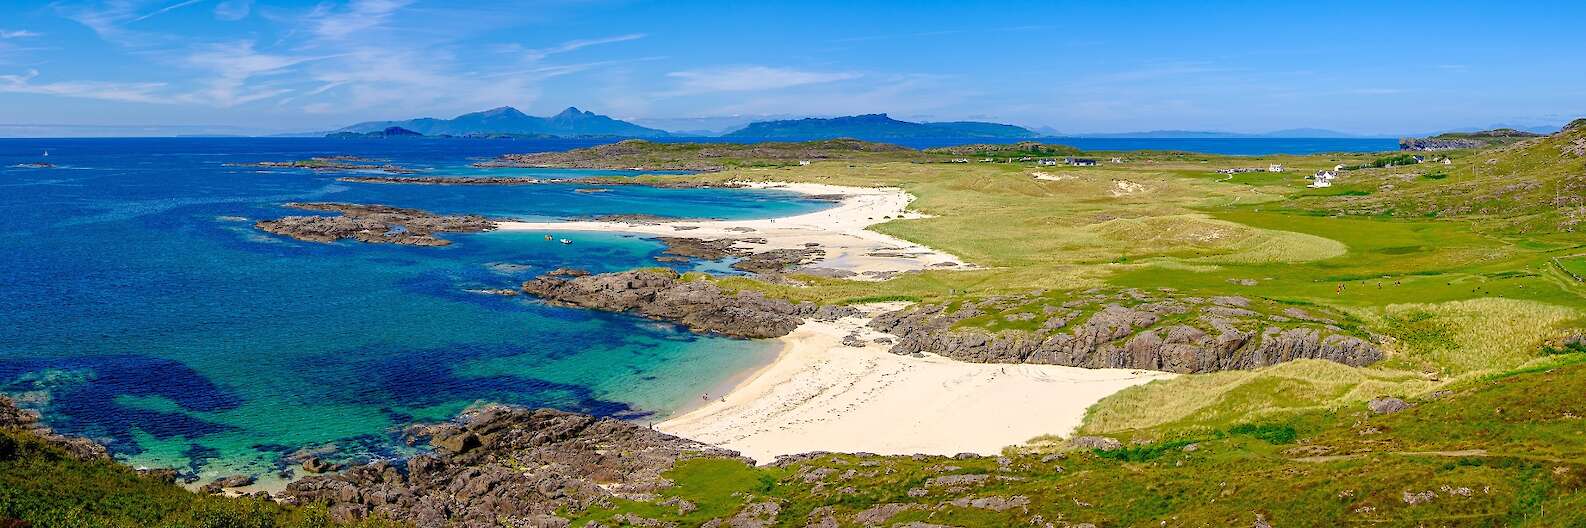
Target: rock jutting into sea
1128 329
375 224
443 180
331 163
499 464
763 262
13 417
700 305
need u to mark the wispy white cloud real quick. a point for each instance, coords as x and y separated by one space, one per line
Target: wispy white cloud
18 33
233 10
535 55
166 9
108 91
359 16
749 78
231 67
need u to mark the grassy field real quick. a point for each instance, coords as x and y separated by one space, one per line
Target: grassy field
1449 295
1500 451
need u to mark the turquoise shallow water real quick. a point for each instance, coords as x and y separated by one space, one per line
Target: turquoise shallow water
141 307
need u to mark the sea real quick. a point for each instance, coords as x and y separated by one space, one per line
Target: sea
141 308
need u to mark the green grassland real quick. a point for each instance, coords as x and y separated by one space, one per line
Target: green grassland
1501 451
1450 296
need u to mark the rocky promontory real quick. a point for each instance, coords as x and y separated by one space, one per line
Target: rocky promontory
375 224
331 163
1129 329
442 180
13 417
663 294
506 466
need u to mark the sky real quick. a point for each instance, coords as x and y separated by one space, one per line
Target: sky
129 67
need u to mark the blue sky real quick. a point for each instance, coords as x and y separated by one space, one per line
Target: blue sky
284 65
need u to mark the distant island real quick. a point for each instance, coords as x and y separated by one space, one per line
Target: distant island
874 127
507 121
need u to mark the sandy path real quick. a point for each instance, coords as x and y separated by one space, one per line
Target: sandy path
820 395
841 231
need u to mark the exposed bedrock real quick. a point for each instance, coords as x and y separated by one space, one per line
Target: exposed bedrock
13 417
700 305
1129 329
505 466
375 224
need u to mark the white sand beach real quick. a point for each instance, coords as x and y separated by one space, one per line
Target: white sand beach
840 231
820 395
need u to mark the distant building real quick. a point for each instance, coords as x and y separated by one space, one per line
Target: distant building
1275 167
1047 162
1323 178
804 162
960 160
1419 159
1447 161
1082 162
1117 160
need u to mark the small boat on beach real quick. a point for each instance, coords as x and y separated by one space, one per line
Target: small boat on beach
549 238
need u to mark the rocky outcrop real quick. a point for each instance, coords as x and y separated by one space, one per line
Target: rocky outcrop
1128 329
505 466
762 262
330 163
17 418
700 305
375 224
442 180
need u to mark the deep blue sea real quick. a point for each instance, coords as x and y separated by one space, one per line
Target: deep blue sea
143 309
140 307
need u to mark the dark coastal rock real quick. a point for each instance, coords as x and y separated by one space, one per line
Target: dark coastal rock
700 305
505 466
375 224
314 464
330 163
762 262
13 417
442 180
1128 329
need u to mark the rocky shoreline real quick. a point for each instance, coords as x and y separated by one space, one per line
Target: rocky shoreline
498 462
1128 329
332 163
699 305
444 180
373 223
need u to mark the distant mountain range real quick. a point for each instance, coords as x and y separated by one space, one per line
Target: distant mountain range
572 122
877 127
508 120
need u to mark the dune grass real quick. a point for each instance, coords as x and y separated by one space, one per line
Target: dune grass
1450 296
1318 467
